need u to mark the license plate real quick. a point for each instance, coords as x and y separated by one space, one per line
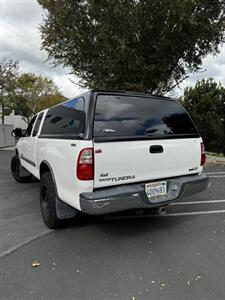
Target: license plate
156 189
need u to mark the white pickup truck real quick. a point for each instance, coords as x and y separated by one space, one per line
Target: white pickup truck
105 152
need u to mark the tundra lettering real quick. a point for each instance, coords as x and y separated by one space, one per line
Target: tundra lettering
120 178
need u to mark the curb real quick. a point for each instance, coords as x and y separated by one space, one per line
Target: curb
214 160
7 147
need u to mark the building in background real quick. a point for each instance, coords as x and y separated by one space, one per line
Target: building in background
6 139
11 121
15 120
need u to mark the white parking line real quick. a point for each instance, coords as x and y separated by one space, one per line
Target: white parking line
194 213
25 242
214 173
216 176
198 202
4 180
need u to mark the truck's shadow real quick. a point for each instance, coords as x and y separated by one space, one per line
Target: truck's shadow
136 225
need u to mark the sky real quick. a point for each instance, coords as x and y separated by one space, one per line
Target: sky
20 40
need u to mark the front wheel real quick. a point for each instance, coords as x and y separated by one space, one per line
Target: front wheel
19 173
48 198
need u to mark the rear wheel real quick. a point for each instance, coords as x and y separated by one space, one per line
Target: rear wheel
19 173
48 198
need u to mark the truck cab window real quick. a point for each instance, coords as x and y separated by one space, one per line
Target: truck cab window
30 126
37 124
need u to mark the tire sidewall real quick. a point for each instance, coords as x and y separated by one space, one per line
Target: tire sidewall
47 186
15 163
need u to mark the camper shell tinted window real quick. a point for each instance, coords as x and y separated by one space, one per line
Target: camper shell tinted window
118 116
65 119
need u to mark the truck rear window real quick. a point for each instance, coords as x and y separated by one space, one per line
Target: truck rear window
118 117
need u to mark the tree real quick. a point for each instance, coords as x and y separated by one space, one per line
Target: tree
206 104
50 100
33 94
8 75
148 46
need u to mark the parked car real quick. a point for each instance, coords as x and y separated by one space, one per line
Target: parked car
105 152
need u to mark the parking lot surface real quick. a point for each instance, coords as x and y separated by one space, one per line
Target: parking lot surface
178 255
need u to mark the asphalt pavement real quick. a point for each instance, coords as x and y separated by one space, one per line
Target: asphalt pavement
178 255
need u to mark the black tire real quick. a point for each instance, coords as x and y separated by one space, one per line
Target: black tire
16 169
48 197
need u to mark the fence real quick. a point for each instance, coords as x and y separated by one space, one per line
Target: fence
6 140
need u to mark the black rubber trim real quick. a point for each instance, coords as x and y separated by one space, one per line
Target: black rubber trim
60 137
130 93
139 138
28 161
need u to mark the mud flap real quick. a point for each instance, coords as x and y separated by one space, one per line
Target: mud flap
64 211
24 172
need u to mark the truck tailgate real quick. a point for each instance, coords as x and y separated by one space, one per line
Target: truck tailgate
136 161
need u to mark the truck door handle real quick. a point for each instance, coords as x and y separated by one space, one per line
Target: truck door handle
156 149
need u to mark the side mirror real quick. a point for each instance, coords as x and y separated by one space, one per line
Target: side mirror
17 133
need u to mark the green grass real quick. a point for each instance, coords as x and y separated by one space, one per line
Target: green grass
215 154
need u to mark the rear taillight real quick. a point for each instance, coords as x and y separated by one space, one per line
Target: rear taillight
203 156
85 164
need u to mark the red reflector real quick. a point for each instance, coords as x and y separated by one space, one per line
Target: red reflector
85 164
203 156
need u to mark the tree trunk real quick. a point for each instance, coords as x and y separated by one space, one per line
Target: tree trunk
3 114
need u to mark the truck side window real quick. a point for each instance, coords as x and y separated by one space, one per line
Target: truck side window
30 127
37 124
67 118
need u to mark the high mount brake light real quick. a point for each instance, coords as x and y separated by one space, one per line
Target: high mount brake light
85 164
